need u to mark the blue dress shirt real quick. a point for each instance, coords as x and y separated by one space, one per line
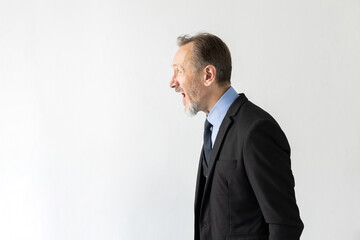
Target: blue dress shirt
218 112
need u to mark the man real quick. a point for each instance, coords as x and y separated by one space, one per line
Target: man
245 186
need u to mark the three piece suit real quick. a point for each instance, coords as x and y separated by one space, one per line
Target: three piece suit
247 190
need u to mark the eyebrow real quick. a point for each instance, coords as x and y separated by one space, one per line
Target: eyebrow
177 65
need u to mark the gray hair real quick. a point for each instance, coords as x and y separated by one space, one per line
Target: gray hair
209 50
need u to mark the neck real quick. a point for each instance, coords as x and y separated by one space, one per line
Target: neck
214 97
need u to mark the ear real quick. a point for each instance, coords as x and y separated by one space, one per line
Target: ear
210 75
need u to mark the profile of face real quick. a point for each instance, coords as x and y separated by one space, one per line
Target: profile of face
185 81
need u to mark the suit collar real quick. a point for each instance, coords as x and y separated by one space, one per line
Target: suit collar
235 107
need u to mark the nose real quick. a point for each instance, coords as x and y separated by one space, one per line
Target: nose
173 82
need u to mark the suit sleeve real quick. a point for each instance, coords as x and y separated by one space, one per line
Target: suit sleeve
267 164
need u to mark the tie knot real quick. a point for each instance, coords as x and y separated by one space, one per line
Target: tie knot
208 125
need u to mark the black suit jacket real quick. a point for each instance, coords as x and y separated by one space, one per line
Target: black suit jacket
248 192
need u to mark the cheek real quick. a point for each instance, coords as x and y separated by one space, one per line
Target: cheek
193 90
184 86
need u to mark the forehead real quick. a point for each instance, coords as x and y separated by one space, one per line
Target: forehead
182 55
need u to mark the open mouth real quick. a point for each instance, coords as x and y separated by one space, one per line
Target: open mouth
183 99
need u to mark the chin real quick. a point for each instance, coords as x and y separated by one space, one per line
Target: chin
191 110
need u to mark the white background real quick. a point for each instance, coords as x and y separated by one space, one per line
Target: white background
95 145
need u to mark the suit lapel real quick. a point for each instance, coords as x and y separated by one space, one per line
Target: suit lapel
227 122
225 125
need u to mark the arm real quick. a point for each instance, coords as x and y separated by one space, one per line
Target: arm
267 164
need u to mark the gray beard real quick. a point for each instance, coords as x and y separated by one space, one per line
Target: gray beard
192 110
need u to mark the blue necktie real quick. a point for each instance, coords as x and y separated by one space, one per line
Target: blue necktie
207 141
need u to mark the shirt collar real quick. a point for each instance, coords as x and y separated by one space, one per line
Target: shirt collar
218 112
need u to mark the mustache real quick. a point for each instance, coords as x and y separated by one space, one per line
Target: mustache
178 89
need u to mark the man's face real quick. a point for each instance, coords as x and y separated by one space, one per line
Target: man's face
186 81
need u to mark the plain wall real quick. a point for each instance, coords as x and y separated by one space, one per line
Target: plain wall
95 145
